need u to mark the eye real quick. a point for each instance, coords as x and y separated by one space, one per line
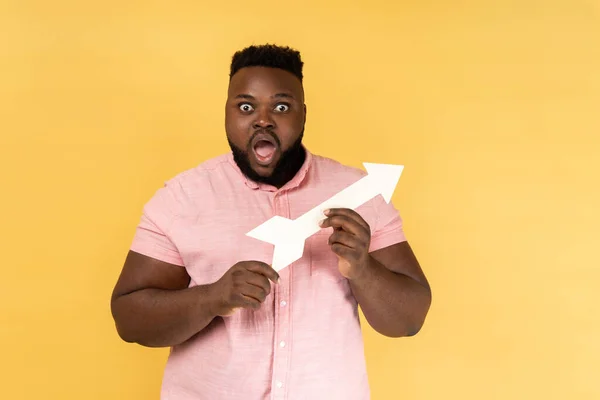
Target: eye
245 107
282 107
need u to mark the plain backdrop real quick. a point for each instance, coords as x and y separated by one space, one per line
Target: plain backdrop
492 106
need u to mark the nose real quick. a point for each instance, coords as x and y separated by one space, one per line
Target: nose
263 120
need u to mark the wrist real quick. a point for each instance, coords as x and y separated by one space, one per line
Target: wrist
364 272
208 300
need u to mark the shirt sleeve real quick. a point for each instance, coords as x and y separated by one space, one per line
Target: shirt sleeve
388 228
152 236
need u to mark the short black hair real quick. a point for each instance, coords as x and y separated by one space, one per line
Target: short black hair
268 55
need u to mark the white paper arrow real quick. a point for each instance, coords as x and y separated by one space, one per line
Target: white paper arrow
289 236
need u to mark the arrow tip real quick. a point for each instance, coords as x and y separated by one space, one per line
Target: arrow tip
385 177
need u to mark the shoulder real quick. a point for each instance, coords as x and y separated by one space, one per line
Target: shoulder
326 167
194 178
190 185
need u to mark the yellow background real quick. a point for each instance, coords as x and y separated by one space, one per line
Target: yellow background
492 106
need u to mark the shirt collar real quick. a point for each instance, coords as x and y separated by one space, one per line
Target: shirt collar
293 183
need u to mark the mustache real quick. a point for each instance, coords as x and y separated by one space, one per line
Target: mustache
268 132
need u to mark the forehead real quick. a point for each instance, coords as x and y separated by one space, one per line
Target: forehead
264 81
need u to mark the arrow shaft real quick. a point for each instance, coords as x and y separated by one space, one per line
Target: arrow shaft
351 197
289 236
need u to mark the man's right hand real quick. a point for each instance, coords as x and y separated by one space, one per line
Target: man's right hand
245 285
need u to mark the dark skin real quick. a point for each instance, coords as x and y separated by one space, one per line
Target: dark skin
389 284
266 100
151 302
153 306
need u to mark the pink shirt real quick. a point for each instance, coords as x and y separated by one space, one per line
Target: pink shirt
305 343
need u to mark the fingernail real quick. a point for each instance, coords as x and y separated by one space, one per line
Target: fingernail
326 212
321 222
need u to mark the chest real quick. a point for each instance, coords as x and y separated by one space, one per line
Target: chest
211 238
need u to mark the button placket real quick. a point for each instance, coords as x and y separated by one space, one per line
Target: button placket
282 318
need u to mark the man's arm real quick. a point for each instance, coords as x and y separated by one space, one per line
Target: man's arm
392 291
153 306
388 283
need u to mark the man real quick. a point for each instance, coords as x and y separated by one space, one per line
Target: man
194 281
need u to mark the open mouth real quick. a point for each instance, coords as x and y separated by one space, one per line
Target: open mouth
265 149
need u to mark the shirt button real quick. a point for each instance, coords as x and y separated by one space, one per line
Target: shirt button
279 384
283 303
282 343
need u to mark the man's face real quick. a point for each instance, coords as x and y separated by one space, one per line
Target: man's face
264 121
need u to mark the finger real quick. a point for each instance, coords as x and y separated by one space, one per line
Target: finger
346 239
344 251
258 280
254 292
244 301
263 269
346 223
347 212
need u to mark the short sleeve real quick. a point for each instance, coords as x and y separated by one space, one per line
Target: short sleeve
152 237
388 228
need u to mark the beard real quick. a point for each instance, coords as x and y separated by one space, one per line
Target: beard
287 167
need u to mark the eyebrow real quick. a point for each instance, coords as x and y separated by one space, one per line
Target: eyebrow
275 96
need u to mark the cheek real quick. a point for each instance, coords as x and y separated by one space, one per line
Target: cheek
290 129
237 128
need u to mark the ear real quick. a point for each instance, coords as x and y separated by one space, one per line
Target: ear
304 113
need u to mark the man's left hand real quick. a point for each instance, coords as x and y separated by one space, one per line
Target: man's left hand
350 240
